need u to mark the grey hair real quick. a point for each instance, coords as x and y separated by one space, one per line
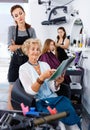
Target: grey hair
26 45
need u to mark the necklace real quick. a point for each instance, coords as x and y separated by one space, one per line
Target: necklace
33 64
36 67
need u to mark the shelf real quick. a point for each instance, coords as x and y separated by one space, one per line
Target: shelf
76 71
75 49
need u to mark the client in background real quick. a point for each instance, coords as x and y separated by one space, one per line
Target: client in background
49 55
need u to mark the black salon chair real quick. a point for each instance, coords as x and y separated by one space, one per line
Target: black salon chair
18 96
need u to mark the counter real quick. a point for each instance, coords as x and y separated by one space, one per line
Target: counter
75 49
85 63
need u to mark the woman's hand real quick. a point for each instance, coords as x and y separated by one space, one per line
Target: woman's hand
59 80
13 47
47 74
12 42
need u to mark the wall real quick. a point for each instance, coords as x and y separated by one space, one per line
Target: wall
35 14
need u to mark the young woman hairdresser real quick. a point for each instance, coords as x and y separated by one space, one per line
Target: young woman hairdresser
17 34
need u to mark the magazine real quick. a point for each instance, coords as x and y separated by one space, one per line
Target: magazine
62 68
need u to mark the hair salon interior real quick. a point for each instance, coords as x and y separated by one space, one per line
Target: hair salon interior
46 16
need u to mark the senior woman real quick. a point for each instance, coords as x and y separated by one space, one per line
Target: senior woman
34 77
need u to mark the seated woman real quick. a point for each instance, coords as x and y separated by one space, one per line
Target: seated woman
34 77
49 55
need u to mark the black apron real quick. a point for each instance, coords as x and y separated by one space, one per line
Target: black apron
18 58
61 54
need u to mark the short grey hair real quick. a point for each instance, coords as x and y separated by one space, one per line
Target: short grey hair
26 45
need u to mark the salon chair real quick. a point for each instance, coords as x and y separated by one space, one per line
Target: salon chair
18 96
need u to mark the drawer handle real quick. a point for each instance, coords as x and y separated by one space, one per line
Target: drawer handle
84 57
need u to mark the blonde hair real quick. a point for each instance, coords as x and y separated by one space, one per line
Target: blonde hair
29 42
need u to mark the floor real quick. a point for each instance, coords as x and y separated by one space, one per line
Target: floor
4 63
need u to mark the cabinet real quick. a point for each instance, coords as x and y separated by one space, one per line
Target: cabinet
76 88
85 63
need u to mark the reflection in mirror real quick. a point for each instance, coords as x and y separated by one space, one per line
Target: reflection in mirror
76 33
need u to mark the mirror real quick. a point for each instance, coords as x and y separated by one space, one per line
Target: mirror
76 32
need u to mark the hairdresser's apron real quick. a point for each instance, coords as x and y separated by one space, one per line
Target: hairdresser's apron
18 58
61 54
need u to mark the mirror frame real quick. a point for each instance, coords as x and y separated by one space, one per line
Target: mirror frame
78 23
